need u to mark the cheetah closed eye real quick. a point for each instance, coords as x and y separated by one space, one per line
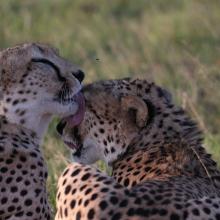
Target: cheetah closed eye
160 169
35 84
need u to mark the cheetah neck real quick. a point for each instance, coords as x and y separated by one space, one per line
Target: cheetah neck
162 162
7 127
158 155
169 145
39 125
35 123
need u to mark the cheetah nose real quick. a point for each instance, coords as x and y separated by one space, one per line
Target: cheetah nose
79 74
60 127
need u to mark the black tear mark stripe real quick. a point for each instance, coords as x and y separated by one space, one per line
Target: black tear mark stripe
48 62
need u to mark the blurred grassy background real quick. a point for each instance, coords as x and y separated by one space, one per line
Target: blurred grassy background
175 43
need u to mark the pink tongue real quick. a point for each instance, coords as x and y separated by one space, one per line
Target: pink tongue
77 118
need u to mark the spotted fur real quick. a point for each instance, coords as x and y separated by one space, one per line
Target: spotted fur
160 168
32 78
86 193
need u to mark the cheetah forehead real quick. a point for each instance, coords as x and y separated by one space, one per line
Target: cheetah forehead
14 61
19 55
128 86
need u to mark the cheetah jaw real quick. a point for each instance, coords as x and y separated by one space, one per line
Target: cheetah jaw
75 146
71 145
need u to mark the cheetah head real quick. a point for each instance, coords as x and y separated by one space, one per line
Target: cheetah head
36 83
112 120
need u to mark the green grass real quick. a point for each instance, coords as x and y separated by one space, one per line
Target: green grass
175 43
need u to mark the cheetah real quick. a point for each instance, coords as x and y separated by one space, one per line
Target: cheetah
35 84
160 168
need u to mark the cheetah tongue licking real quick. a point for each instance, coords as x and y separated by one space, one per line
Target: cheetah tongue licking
77 118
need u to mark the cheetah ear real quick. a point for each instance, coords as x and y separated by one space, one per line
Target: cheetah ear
138 106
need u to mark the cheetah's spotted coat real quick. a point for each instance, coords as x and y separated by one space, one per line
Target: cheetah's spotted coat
32 81
160 169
